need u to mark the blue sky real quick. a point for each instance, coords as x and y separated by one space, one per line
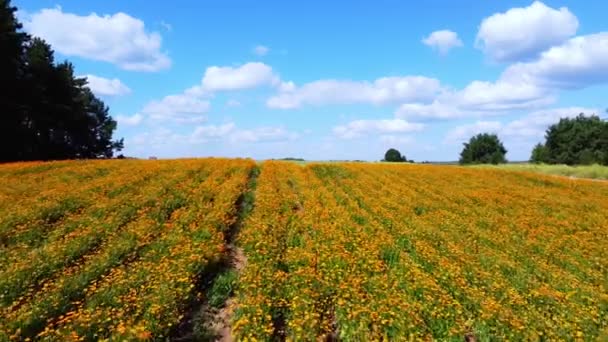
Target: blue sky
331 80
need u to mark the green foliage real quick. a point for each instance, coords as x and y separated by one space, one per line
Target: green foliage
328 171
47 112
539 154
390 255
393 155
483 149
582 140
222 288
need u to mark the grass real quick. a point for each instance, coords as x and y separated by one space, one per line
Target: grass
222 288
580 171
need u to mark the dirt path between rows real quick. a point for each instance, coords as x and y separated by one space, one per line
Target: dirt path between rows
206 321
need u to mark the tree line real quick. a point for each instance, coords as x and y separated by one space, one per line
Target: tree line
46 112
582 140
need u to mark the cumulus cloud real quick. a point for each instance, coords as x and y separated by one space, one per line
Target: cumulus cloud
522 33
396 140
382 90
464 132
434 110
106 87
160 136
535 124
212 131
528 129
227 133
286 87
501 95
577 63
133 120
479 98
246 76
190 105
118 38
358 128
443 41
263 134
261 50
180 108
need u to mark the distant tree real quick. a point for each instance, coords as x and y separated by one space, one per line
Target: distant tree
483 149
45 111
579 140
12 92
393 155
539 154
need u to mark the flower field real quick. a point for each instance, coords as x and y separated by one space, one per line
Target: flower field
110 249
117 250
367 252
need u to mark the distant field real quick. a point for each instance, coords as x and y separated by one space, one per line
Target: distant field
215 248
579 171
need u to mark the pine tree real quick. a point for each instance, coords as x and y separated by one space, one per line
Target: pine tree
46 112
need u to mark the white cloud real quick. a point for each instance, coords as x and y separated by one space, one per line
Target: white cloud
190 105
224 134
522 33
287 87
159 137
434 110
358 128
443 41
230 133
119 38
246 76
180 108
396 140
212 131
262 134
479 98
382 90
528 129
133 120
501 95
465 132
579 62
261 50
106 87
536 123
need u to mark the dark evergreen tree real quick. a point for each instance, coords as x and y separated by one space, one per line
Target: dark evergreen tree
45 111
12 92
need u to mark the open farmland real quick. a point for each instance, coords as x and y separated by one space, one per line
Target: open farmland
122 250
112 248
363 252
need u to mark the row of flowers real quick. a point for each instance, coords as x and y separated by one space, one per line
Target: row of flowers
135 279
347 251
385 251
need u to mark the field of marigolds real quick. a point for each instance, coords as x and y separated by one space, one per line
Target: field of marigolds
200 249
